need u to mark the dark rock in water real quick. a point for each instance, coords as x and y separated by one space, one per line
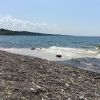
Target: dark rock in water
33 48
98 47
59 56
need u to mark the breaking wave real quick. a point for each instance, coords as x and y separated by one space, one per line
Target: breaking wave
88 59
51 52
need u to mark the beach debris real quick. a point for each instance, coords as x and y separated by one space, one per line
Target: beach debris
97 77
59 56
33 48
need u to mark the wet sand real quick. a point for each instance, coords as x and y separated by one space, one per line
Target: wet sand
28 78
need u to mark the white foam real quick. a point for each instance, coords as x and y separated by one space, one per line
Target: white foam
71 53
51 52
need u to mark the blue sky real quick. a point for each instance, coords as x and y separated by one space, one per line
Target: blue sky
72 17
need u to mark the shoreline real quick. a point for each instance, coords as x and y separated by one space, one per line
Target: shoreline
29 78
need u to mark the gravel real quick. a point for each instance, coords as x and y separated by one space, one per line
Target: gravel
27 78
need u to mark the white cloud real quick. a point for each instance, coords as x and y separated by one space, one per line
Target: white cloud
12 23
9 22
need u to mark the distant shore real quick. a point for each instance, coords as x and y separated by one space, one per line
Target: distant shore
28 78
24 33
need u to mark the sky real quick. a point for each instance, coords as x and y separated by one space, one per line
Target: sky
70 17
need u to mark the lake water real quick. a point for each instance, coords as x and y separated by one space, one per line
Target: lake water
83 52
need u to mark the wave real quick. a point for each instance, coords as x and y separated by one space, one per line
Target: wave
51 52
77 57
71 53
92 64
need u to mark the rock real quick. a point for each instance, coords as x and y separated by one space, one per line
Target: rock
33 48
97 77
98 47
59 56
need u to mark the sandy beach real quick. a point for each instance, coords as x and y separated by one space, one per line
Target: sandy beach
29 78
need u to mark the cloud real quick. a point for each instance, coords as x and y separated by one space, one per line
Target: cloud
12 23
